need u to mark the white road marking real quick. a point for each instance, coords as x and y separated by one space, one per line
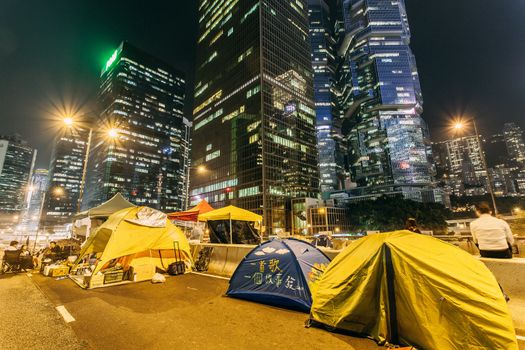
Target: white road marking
208 275
65 314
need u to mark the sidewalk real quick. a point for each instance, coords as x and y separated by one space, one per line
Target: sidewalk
29 320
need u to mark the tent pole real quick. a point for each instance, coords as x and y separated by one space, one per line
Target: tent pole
231 233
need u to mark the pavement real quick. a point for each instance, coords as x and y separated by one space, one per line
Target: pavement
186 312
29 320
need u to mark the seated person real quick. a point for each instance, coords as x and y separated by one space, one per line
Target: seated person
13 246
52 252
26 260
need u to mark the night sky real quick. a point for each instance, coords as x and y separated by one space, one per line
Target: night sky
470 55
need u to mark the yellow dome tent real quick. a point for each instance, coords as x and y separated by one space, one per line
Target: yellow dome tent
137 236
410 289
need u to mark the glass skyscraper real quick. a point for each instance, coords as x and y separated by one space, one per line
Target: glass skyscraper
387 139
65 176
254 115
513 136
324 32
33 210
142 140
16 165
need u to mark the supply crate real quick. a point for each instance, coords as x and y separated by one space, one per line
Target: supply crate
113 277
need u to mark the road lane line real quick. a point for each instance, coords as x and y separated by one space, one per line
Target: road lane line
208 275
65 314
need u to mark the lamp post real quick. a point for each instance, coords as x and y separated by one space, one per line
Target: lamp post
460 126
201 169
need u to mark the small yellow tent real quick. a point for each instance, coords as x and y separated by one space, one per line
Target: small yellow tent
232 225
405 288
230 213
137 236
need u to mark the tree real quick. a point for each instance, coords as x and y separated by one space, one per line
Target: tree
389 213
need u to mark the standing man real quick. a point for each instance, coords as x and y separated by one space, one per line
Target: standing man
491 235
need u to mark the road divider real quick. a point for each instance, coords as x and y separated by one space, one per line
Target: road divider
65 314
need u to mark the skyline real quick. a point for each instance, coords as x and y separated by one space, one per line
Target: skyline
37 72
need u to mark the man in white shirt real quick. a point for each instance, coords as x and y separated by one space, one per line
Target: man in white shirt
493 236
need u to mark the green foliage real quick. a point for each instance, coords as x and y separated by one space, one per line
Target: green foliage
389 213
505 204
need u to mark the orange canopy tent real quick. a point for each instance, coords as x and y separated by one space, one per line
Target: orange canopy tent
193 213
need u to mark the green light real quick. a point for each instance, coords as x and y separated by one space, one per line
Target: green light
111 60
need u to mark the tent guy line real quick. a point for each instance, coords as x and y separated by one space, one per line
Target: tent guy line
208 275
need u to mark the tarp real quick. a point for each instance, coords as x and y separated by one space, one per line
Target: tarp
193 213
230 213
123 236
279 272
118 202
410 289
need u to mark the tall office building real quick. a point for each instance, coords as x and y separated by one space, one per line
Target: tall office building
34 205
513 136
466 173
141 147
66 170
17 159
388 148
323 15
254 116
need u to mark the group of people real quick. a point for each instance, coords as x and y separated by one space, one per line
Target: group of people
25 257
29 261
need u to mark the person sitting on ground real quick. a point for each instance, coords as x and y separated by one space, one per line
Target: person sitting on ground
52 252
26 260
13 246
411 225
492 236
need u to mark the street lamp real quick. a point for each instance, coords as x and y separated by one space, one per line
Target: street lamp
112 133
324 212
459 126
68 121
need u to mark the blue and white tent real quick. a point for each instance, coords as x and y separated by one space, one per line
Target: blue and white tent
279 272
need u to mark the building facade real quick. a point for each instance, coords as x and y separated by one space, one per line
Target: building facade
324 35
380 95
142 144
17 159
66 170
254 115
465 173
34 204
513 136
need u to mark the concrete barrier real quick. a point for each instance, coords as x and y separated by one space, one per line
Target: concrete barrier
223 259
510 274
219 259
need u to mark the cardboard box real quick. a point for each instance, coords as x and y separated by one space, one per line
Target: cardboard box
59 271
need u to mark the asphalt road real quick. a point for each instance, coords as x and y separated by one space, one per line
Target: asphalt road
186 312
29 321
